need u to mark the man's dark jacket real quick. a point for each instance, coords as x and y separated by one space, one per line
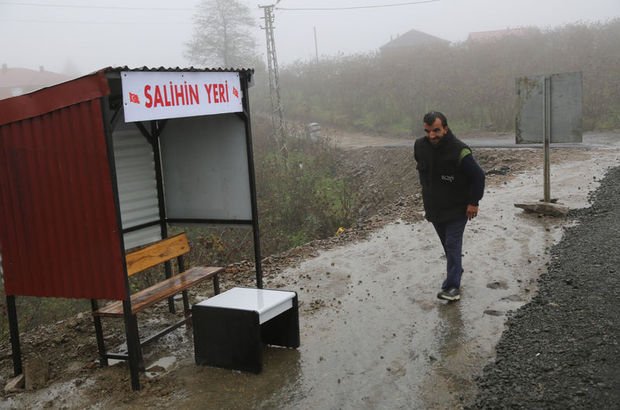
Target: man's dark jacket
445 188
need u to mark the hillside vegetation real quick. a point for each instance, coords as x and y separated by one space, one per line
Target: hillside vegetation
472 82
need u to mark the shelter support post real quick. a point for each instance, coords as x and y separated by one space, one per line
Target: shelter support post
103 359
250 155
133 345
259 268
153 139
14 334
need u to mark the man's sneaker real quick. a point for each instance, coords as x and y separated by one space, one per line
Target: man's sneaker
449 294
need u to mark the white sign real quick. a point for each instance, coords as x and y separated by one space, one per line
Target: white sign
157 95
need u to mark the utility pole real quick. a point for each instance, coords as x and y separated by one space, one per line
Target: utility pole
316 47
277 118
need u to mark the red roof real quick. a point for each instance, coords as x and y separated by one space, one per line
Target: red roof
26 78
16 81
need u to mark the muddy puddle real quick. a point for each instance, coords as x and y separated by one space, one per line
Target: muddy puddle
373 333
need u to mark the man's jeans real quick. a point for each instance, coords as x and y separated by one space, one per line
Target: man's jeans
451 236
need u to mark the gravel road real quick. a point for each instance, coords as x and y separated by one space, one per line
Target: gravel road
562 350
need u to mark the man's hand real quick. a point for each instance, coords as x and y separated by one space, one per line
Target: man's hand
472 212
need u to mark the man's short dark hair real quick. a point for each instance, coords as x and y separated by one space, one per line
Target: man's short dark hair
429 118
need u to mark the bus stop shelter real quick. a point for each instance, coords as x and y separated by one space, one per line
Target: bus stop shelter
98 165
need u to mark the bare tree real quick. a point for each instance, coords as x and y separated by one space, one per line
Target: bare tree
222 34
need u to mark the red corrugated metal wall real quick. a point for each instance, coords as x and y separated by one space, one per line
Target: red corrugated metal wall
58 227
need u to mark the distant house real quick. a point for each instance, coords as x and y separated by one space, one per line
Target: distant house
494 35
412 39
18 81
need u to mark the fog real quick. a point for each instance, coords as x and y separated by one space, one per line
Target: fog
80 36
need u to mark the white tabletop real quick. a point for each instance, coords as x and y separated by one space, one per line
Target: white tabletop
268 303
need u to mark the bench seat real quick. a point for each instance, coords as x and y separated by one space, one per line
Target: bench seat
160 291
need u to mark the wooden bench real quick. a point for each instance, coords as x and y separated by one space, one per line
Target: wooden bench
161 252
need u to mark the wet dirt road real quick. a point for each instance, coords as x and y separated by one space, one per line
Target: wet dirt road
373 333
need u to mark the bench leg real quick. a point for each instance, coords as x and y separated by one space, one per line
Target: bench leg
186 308
168 274
216 284
103 360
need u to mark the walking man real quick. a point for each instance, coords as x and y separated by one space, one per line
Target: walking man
452 185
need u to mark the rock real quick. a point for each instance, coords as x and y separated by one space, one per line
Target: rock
15 384
36 372
501 171
492 312
544 208
156 369
497 285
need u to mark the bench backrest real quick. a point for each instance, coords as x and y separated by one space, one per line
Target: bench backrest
156 253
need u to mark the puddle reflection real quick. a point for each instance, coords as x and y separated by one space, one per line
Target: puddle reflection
452 332
278 385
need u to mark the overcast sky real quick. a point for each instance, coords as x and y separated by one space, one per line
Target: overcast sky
89 35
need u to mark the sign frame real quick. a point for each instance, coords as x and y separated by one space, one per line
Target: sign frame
156 95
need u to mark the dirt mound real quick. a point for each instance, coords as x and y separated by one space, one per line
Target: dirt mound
387 184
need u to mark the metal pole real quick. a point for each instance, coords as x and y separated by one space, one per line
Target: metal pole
163 226
252 174
14 332
130 324
547 137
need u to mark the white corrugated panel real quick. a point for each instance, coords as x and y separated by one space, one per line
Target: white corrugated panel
137 184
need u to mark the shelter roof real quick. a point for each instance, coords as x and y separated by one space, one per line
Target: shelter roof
177 69
88 87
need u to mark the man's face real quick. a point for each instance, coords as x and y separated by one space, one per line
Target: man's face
435 132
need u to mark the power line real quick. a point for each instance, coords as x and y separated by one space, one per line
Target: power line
148 22
75 6
356 7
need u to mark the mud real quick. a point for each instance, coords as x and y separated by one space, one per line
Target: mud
385 341
373 333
